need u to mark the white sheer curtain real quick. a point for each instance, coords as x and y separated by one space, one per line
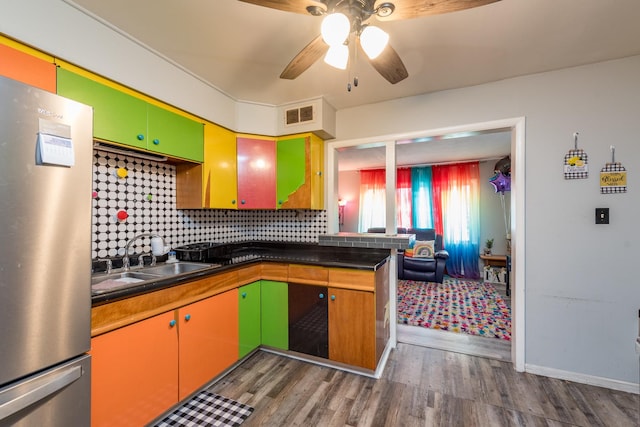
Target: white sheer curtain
372 199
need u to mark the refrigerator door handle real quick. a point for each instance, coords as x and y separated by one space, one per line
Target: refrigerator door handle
20 396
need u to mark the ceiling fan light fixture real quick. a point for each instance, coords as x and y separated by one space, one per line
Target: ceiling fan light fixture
373 41
335 29
337 56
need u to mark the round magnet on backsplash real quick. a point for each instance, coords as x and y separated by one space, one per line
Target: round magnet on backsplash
149 197
122 215
122 173
94 194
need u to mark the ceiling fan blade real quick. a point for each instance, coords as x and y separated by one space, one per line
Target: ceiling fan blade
389 65
303 60
407 9
295 6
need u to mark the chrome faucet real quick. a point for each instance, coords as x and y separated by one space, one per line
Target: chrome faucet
125 258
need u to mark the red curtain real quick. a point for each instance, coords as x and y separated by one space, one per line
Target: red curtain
403 197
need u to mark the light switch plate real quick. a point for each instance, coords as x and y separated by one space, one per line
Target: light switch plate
602 215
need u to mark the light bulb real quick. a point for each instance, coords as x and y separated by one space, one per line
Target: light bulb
337 56
335 29
373 41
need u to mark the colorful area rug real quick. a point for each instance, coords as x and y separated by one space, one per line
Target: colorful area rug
208 409
466 306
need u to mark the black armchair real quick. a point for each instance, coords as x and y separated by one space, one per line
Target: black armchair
422 269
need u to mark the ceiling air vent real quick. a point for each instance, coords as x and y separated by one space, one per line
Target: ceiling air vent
299 115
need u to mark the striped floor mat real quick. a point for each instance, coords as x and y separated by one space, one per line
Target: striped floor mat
208 409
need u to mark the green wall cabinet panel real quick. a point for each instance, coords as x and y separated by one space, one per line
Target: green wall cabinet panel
249 315
275 319
117 116
291 161
123 118
174 135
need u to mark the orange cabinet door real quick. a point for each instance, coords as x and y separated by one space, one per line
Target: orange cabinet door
134 375
208 332
27 69
256 173
352 338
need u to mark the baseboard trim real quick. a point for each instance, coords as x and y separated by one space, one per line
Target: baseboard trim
584 378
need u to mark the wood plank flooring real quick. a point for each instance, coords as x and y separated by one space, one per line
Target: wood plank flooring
420 387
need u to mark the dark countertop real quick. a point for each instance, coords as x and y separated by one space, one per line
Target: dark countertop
234 255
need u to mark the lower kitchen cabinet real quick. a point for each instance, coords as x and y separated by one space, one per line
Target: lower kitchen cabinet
141 370
274 314
208 337
249 317
134 373
352 327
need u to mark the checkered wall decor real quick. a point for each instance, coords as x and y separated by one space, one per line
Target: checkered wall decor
148 195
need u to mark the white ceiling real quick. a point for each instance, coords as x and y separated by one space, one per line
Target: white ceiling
242 48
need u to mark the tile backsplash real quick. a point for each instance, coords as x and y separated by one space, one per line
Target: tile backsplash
146 191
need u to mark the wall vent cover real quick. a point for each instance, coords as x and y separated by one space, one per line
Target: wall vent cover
299 115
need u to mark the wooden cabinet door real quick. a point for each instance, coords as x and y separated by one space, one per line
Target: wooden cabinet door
174 135
220 168
117 116
134 372
208 332
291 168
274 314
352 327
28 69
316 163
249 316
256 173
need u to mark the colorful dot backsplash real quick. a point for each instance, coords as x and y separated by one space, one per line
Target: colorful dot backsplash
133 196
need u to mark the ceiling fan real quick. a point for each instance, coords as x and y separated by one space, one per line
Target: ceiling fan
334 40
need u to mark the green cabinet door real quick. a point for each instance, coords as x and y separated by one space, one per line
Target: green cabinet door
291 167
249 318
274 314
174 135
117 116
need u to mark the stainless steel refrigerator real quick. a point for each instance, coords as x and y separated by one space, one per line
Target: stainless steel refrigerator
45 258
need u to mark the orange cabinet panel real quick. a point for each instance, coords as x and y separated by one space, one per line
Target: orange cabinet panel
27 69
134 372
209 339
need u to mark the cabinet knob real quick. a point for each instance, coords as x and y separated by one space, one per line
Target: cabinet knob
279 202
244 295
243 201
333 297
321 296
156 141
140 137
233 202
172 323
319 173
187 317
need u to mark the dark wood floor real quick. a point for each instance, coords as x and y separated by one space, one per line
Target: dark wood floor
420 387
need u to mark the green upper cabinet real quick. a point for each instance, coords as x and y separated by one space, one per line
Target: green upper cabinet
290 158
125 119
249 318
174 135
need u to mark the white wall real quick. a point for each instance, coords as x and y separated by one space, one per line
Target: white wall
582 292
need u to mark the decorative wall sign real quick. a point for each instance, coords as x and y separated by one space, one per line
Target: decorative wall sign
576 162
613 176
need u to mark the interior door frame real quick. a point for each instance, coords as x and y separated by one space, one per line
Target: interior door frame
517 127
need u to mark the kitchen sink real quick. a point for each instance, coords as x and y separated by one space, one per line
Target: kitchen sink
176 268
101 283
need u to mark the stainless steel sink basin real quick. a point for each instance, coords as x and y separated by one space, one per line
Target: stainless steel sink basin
101 283
176 268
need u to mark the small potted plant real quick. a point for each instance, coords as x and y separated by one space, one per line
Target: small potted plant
487 246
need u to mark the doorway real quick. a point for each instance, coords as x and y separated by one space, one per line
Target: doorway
515 127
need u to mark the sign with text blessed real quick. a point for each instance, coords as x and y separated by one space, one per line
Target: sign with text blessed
613 179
